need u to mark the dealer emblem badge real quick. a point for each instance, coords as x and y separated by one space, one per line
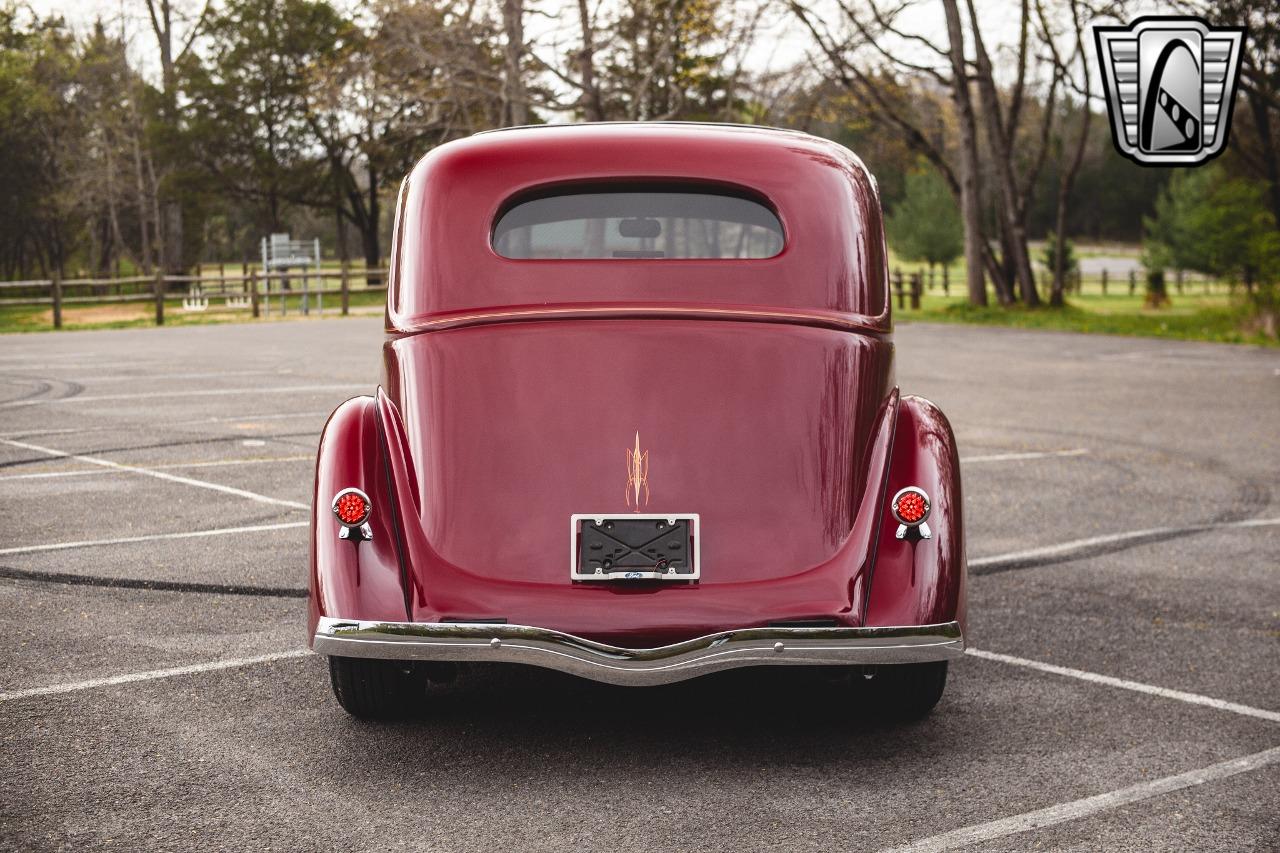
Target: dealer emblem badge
1170 84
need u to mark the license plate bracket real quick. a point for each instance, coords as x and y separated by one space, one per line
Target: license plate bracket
635 547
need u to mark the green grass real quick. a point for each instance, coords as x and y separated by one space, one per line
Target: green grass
129 315
1205 318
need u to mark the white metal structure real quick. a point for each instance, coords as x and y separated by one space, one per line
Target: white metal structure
281 254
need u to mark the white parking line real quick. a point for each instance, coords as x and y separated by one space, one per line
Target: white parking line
1053 815
84 472
165 425
150 675
1126 684
1080 545
154 375
234 418
152 537
159 475
46 358
1014 457
200 392
44 364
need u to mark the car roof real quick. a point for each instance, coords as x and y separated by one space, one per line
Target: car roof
832 263
711 126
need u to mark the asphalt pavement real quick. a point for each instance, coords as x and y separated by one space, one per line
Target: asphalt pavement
1123 520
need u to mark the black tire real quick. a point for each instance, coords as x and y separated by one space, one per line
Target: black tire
909 691
374 689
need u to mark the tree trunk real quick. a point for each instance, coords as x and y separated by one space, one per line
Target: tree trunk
1056 299
173 260
170 221
1157 292
369 229
144 228
516 106
1267 148
970 208
1014 229
592 104
1068 177
158 231
340 230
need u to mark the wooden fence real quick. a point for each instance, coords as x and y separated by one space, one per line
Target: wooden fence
257 293
909 288
262 294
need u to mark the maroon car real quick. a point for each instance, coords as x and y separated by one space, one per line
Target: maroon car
638 423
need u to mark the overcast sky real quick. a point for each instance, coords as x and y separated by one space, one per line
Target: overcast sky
786 44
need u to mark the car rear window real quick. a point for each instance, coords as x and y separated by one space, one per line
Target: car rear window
631 224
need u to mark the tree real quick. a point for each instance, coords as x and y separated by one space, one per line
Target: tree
249 123
40 139
654 60
925 225
418 74
1212 223
967 177
860 51
113 176
1059 256
173 47
515 106
1063 70
1255 130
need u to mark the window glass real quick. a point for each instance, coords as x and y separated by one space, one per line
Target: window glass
638 224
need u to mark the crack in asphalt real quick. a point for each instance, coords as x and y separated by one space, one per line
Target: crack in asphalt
72 579
164 444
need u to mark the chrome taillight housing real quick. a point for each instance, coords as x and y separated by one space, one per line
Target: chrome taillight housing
910 506
352 508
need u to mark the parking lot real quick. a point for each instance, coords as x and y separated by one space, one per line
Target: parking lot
1122 692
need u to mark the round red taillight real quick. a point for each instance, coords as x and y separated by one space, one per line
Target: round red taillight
352 507
910 506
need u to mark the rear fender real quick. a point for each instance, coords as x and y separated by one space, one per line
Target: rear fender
918 581
349 579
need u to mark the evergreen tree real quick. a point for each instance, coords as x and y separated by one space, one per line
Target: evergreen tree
925 225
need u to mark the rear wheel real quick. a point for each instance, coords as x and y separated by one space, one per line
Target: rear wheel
908 691
375 689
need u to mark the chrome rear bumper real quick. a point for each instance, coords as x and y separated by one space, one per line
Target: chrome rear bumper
493 643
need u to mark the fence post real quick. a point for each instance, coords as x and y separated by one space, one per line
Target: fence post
55 294
917 285
897 287
1133 281
346 288
1178 279
946 281
1104 282
252 284
159 289
222 279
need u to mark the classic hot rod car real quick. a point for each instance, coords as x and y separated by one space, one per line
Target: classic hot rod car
637 422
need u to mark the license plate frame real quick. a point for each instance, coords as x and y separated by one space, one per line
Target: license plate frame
583 567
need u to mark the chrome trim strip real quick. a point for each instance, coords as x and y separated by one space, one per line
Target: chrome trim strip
472 642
